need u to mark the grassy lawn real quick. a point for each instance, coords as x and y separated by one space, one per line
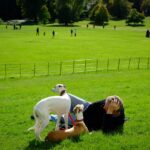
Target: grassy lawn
22 46
17 97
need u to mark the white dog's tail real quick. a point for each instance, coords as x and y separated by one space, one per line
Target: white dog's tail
31 128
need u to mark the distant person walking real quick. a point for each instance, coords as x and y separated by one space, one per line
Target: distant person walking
115 27
103 25
37 31
20 26
71 31
53 34
75 33
147 34
14 26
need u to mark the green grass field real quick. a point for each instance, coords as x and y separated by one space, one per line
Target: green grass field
22 46
18 96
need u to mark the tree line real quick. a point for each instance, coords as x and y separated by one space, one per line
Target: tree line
69 11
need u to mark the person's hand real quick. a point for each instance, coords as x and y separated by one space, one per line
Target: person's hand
112 106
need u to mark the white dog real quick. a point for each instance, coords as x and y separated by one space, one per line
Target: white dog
57 104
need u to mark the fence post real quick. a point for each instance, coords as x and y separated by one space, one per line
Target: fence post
73 66
148 63
34 70
20 70
48 69
85 66
138 67
5 66
118 64
108 64
60 69
129 64
97 65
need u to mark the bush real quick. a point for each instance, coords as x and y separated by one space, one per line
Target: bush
44 14
145 7
135 17
1 21
100 14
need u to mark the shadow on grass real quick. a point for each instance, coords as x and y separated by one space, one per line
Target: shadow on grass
61 25
135 25
34 145
76 139
119 130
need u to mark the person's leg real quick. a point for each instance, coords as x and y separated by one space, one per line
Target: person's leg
77 100
54 118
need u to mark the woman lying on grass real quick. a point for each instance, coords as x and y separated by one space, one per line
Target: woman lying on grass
106 115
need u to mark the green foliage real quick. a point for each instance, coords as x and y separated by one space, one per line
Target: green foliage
1 21
99 14
136 4
51 4
9 10
31 8
69 11
44 15
119 8
64 13
145 7
135 17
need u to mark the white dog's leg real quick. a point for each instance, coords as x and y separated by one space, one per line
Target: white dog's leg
57 124
39 128
37 134
66 120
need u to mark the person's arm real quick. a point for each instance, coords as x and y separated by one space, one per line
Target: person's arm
77 100
113 116
111 122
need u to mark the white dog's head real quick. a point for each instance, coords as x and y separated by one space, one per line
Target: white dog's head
59 88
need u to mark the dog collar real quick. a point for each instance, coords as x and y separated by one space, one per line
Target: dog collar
79 120
62 92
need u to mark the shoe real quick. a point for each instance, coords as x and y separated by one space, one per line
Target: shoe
32 117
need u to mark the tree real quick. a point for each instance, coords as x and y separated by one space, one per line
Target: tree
9 10
145 7
120 8
135 18
44 15
99 14
136 4
69 11
64 13
31 8
51 5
